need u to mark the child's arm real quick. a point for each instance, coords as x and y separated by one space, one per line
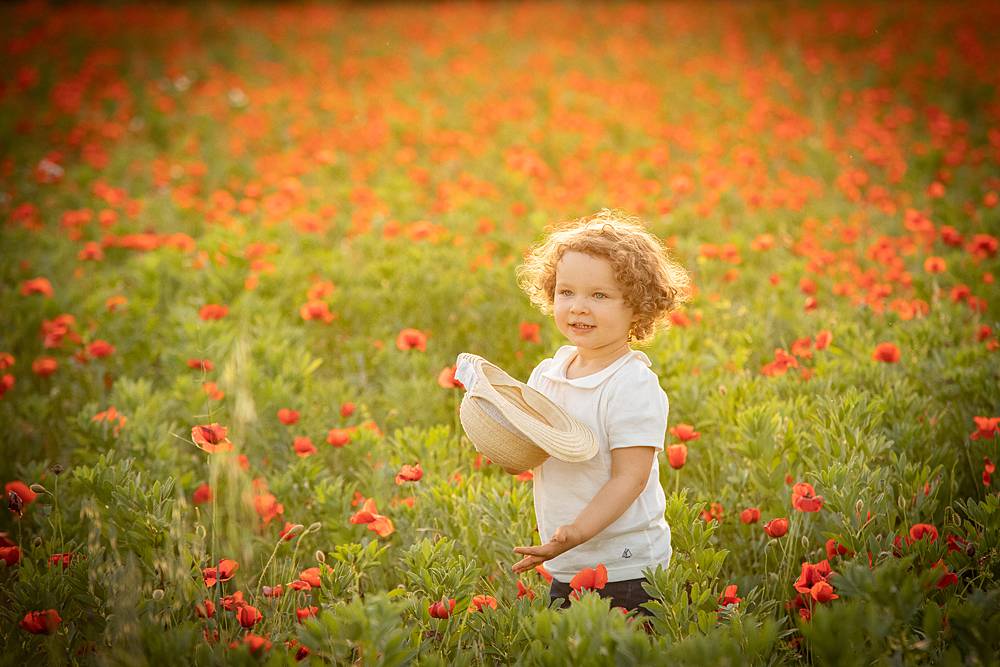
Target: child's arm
629 474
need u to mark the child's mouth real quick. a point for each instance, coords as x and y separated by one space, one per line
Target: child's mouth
582 327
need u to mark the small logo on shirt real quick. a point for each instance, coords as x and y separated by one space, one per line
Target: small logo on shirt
626 553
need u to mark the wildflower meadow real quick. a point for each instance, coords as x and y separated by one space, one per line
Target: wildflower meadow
243 244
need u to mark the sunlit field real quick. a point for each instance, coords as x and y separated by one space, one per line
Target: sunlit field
242 247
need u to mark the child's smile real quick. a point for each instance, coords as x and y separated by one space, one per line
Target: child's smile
590 307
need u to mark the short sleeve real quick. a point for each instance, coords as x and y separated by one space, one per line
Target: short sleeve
536 373
637 412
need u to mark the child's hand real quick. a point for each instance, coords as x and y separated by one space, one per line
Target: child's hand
564 539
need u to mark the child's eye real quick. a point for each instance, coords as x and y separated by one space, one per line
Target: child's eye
564 292
601 294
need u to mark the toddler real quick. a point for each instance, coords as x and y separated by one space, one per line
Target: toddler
608 283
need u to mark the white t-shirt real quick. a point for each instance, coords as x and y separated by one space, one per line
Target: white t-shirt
624 406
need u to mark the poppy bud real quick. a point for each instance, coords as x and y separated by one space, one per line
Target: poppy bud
320 556
970 550
200 531
313 527
56 469
36 541
805 542
858 506
158 594
38 488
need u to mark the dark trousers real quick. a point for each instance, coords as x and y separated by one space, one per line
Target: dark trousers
628 593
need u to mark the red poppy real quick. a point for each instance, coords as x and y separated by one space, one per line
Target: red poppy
6 383
750 515
303 446
288 416
446 378
311 575
305 612
41 622
299 585
986 428
267 506
409 473
811 574
919 530
776 527
64 559
822 591
677 456
411 339
715 512
988 469
205 609
381 525
935 265
225 571
10 555
684 432
948 578
213 311
804 498
249 616
338 437
44 366
201 364
202 495
100 349
317 310
886 352
37 286
442 608
590 578
272 591
211 438
347 409
834 549
530 332
234 601
540 569
24 493
728 596
481 601
823 339
523 590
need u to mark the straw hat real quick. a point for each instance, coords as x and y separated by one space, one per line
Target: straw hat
515 426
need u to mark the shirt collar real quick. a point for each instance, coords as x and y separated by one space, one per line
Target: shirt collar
564 354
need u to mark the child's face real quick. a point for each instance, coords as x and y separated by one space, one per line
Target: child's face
589 304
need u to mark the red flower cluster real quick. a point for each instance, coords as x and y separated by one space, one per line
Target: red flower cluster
813 586
750 515
715 512
41 622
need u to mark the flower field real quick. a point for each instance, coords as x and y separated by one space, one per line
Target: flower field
243 244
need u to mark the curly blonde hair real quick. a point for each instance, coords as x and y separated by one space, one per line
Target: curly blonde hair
654 284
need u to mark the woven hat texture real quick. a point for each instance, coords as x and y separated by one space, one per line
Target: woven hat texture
515 426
